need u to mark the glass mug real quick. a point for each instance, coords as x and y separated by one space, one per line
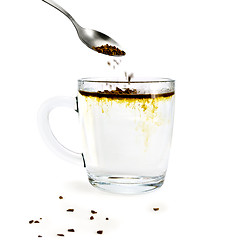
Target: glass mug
126 131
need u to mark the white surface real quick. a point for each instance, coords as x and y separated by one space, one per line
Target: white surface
194 42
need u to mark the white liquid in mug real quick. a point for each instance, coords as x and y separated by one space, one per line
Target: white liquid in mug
126 139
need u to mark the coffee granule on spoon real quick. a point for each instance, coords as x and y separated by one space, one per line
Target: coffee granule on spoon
70 210
109 50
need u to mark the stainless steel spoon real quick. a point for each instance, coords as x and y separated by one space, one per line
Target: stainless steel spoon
91 38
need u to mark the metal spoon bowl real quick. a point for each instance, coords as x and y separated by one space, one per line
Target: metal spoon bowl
91 38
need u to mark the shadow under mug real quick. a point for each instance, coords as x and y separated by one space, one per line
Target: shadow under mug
126 131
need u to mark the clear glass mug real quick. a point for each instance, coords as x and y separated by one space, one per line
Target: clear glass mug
126 131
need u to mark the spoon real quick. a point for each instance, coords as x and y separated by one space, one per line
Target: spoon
91 38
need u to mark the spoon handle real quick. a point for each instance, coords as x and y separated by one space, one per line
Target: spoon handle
55 5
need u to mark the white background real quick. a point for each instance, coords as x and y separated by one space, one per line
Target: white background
194 42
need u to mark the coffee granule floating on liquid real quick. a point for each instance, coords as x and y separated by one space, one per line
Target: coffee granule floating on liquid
125 94
119 91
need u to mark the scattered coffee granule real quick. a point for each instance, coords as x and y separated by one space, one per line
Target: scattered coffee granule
40 218
70 210
109 50
91 218
71 230
60 197
100 232
31 221
109 63
107 218
60 235
155 209
39 236
93 212
36 222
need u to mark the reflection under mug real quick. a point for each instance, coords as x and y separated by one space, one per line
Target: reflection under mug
126 131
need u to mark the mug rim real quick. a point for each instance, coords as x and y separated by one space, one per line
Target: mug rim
136 80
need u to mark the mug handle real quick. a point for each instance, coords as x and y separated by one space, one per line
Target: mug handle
46 132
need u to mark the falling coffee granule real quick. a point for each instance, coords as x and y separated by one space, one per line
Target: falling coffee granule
70 210
60 197
31 221
109 50
116 61
39 236
91 218
36 222
100 232
60 235
130 76
155 209
71 230
93 212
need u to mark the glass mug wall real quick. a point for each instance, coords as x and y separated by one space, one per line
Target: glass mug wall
126 131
